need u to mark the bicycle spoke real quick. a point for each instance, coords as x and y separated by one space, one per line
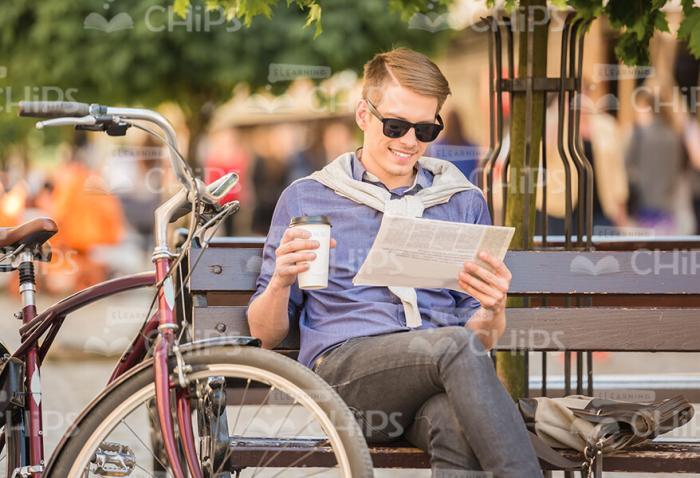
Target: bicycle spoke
286 416
282 448
262 458
319 471
144 444
145 470
255 415
240 407
229 451
298 460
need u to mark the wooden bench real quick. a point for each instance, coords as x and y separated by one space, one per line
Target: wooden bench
622 301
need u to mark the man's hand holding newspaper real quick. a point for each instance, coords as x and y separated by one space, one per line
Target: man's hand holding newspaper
425 253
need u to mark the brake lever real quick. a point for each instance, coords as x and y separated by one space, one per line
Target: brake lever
83 121
107 124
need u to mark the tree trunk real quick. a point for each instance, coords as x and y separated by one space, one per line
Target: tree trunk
511 366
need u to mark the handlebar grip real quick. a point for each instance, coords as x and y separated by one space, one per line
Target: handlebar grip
53 109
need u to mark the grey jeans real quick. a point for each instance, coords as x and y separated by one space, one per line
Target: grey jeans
438 389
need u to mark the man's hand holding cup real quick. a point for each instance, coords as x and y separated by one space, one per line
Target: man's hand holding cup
303 253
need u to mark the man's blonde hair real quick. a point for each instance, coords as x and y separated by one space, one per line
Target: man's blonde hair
410 69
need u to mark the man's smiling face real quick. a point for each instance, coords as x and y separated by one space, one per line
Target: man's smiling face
392 159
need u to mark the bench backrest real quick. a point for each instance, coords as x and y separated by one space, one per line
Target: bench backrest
626 288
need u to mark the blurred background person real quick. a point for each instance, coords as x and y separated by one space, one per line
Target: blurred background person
274 146
13 200
691 140
224 153
686 71
654 161
328 139
141 188
454 146
600 134
87 216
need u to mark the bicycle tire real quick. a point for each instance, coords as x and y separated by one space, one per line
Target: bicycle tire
83 437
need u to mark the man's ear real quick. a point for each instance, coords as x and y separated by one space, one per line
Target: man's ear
361 114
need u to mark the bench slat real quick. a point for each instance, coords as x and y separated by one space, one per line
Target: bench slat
218 321
603 329
656 272
537 329
639 272
225 269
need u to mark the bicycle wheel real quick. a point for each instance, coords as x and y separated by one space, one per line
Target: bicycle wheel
255 413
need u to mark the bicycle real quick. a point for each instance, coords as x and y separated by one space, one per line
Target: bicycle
172 407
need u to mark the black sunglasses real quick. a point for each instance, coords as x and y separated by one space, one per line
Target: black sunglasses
395 128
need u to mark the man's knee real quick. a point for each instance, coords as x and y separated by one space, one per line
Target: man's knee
438 411
437 430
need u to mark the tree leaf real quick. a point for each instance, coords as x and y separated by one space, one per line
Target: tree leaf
660 22
314 16
689 31
180 7
587 9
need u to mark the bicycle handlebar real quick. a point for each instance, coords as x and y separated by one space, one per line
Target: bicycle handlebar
73 113
53 109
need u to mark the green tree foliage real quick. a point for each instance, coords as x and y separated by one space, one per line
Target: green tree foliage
143 52
637 21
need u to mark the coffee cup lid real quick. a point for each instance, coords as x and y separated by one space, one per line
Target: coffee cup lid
309 220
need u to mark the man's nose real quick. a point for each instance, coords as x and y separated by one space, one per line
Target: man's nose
409 139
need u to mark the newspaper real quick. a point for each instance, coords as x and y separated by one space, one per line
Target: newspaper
426 253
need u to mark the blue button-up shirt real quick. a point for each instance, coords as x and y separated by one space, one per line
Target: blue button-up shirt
342 311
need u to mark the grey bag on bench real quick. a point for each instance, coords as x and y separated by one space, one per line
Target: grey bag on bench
594 426
578 421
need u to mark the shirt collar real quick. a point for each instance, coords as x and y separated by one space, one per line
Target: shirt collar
422 180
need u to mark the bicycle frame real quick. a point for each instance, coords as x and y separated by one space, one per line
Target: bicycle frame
163 320
49 322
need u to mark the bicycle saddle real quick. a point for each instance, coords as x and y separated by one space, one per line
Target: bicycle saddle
32 234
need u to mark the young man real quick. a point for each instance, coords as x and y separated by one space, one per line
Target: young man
411 363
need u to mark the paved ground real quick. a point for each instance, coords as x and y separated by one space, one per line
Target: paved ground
76 373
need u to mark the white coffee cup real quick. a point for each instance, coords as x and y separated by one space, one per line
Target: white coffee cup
316 276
